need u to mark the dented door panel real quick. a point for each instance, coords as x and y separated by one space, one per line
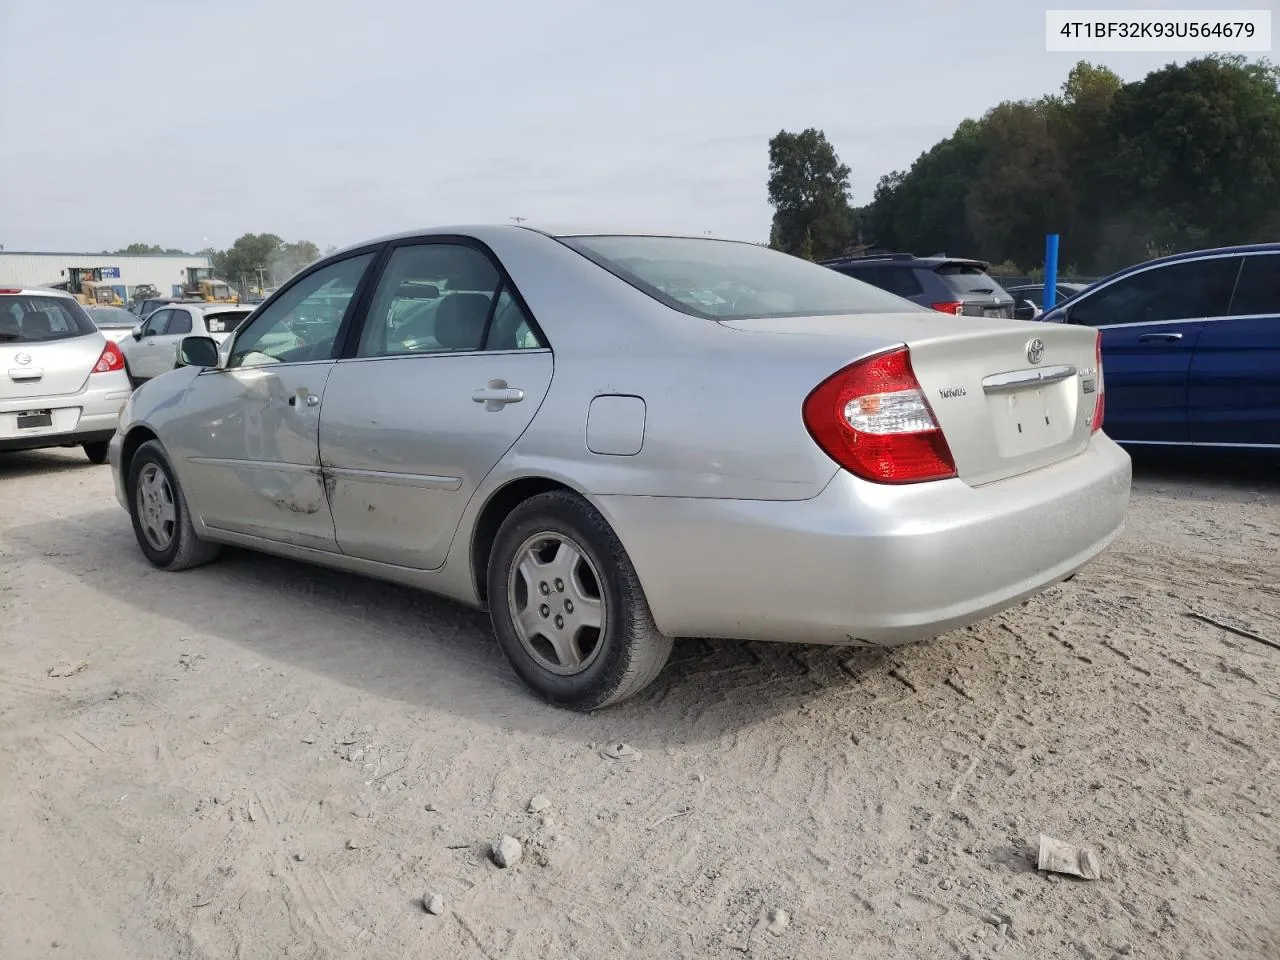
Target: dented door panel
257 470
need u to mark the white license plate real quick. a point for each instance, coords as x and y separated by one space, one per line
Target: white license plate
1030 420
32 419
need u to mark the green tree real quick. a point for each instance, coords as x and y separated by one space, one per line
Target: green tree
927 209
1189 156
291 258
249 259
809 191
1021 190
1196 155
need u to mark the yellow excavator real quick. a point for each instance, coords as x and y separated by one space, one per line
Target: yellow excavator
203 285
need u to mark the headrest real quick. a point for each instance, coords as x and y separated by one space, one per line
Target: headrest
460 321
35 323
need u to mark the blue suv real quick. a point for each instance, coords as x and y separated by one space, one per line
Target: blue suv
1190 347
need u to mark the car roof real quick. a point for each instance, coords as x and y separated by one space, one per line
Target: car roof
204 307
481 231
1211 251
906 260
1241 248
35 292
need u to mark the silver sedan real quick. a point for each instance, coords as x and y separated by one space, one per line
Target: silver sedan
612 440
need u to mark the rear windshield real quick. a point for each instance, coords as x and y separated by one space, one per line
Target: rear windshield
225 322
111 317
729 280
963 278
30 319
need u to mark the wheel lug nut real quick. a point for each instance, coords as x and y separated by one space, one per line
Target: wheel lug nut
559 622
559 585
543 588
568 606
544 610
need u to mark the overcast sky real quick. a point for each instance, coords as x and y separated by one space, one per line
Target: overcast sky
189 123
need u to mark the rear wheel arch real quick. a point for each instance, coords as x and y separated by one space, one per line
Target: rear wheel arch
496 509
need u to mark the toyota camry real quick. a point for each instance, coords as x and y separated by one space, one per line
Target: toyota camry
610 440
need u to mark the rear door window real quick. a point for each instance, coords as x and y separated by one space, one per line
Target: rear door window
179 322
900 280
32 319
1258 289
1187 290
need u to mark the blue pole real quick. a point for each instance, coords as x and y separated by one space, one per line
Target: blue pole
1050 270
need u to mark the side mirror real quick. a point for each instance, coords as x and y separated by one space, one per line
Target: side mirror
136 332
1025 310
198 352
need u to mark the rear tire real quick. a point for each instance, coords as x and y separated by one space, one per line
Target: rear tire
161 519
96 451
559 573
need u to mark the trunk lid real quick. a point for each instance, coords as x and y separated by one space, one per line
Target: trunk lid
48 368
1010 396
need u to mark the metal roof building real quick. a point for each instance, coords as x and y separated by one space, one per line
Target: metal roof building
165 272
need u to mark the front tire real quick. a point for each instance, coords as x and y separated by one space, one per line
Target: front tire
161 519
567 606
96 451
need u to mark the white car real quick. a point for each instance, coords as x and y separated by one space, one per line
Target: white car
151 348
62 383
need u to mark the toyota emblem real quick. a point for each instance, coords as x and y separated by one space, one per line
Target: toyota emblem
23 358
1035 349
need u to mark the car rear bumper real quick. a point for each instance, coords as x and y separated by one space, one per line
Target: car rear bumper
85 417
870 564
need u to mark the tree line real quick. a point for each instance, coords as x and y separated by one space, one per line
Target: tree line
254 261
1187 157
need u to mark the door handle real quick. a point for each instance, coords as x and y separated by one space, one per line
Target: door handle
307 397
497 395
1165 337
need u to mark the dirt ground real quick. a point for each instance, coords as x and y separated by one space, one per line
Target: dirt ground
267 760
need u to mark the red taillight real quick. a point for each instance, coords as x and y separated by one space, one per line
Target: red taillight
949 306
10 289
111 359
1100 405
872 418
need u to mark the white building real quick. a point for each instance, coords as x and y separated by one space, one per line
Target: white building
164 272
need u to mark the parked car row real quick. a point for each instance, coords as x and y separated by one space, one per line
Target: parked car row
395 410
1191 342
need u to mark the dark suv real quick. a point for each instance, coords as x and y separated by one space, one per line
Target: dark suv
949 284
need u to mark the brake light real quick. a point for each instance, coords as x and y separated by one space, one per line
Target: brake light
10 289
111 359
949 306
872 418
1100 405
